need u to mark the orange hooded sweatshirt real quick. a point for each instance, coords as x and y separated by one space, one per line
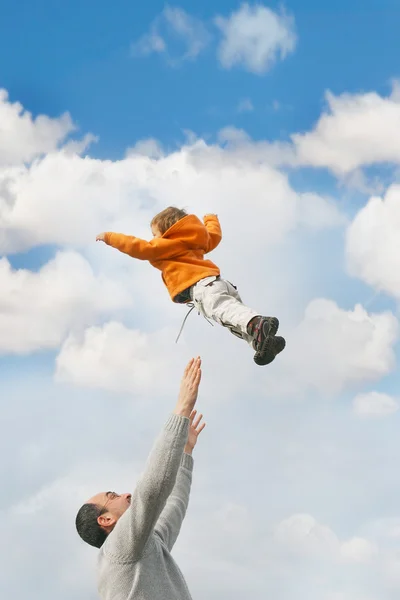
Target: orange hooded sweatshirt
178 253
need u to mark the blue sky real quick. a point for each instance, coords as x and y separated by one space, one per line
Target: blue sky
76 56
296 483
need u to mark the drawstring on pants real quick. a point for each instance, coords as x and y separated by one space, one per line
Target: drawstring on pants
190 305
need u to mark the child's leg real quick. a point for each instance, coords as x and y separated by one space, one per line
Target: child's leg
219 300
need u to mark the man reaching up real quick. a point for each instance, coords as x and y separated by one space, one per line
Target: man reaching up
136 532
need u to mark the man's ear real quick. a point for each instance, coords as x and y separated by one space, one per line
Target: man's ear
106 520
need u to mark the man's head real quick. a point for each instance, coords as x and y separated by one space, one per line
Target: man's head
99 515
165 219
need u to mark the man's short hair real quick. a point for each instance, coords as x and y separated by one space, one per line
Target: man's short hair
88 527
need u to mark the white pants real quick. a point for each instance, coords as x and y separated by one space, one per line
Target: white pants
219 300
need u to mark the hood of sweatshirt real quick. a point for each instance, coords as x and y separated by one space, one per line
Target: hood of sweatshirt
189 229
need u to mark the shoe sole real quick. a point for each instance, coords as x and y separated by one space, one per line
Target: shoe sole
275 346
265 352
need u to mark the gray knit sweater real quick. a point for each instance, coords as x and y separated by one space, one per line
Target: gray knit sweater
135 561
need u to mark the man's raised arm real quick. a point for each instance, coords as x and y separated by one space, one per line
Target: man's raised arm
133 530
171 518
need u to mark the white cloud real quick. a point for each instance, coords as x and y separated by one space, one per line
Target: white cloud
374 404
245 105
373 243
253 37
66 199
358 550
148 147
37 310
333 348
302 534
174 24
189 28
355 131
150 43
23 138
319 213
118 359
298 557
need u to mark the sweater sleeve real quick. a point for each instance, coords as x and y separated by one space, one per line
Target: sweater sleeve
156 249
214 231
129 537
171 519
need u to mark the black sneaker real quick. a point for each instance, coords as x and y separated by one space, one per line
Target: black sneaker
274 346
263 330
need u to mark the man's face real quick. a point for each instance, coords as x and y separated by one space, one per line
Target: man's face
114 504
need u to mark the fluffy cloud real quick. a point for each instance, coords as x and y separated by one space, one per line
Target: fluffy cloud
118 359
333 348
299 556
226 549
173 24
303 534
373 243
374 404
355 131
330 350
358 550
254 37
37 310
23 138
66 199
245 105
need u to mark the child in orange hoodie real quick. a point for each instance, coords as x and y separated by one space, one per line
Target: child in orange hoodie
178 247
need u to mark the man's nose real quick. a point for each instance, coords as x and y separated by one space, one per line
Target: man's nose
127 496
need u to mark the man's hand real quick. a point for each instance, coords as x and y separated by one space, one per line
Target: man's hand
101 237
196 427
189 388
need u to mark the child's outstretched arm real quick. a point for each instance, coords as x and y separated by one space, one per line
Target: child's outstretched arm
214 231
156 249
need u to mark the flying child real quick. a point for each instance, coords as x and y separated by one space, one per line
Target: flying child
179 243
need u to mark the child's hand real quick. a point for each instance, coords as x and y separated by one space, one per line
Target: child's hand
100 237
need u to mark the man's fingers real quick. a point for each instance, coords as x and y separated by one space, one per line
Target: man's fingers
194 370
198 378
192 416
197 421
196 364
188 366
200 429
197 425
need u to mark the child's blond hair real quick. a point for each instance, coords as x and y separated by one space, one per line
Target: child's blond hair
167 217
